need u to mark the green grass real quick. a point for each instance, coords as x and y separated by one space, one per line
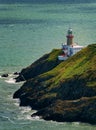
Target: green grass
91 84
78 65
54 54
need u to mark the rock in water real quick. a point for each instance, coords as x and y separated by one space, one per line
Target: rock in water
16 73
4 75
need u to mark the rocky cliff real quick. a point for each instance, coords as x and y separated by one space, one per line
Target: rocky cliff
61 91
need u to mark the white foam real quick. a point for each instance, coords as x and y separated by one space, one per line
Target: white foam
76 123
17 102
11 81
10 75
28 117
26 113
25 109
36 117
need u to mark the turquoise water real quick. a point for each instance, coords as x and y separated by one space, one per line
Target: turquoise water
27 31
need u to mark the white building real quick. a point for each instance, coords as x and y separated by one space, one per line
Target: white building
70 48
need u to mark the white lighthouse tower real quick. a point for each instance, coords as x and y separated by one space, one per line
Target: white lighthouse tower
70 48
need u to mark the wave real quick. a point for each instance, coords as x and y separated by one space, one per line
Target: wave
7 118
26 113
17 102
11 78
11 81
36 118
25 109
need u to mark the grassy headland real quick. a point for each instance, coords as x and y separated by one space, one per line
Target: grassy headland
62 91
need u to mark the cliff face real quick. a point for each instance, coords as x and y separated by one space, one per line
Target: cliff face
65 93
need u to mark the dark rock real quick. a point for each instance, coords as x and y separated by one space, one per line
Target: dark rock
16 73
20 78
81 110
4 75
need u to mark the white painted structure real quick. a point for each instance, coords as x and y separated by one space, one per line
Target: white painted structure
70 48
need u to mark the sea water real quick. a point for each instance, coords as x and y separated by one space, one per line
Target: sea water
27 31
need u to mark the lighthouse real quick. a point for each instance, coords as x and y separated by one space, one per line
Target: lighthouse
69 48
69 37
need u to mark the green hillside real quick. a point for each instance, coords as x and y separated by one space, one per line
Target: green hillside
83 64
44 64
